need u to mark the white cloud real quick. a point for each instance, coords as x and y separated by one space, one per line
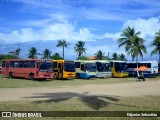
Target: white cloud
51 32
148 27
113 36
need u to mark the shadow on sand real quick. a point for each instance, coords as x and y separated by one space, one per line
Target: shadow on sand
93 101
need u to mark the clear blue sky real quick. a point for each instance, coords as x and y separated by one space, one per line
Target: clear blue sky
40 23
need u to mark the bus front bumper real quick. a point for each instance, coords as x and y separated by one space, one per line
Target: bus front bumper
42 75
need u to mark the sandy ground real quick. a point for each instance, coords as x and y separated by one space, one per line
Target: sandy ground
149 87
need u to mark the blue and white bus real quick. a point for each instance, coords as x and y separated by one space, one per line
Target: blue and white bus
103 69
85 69
152 70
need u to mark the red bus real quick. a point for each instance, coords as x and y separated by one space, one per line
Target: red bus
28 68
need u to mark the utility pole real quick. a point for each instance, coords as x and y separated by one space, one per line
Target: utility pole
18 50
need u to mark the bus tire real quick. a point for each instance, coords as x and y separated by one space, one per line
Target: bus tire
112 75
10 75
31 76
78 76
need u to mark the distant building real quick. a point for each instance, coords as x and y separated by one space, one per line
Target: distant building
91 58
12 53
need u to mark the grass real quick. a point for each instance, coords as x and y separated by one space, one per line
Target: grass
87 103
24 83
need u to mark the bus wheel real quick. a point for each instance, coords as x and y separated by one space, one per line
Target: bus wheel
31 76
10 75
112 75
77 76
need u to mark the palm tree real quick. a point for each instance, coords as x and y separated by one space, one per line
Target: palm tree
136 48
156 45
18 52
114 56
99 55
126 37
32 53
63 44
122 57
46 54
79 48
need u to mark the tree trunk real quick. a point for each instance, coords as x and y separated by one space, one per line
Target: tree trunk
63 52
137 61
159 57
137 65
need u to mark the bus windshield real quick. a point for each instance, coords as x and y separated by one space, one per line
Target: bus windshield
103 67
69 66
121 67
45 66
91 67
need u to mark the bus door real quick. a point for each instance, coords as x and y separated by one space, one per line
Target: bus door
5 68
60 71
83 68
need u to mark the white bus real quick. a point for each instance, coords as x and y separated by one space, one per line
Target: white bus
85 69
152 70
103 69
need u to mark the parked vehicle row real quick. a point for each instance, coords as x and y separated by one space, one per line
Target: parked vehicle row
64 69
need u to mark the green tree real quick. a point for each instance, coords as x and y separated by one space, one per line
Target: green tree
56 56
137 48
79 48
7 56
99 55
127 36
122 57
32 53
82 58
156 45
46 54
63 44
114 56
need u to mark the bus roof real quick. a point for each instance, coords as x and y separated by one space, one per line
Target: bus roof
22 60
117 61
144 61
62 60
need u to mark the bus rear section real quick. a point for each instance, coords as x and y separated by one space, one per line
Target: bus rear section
64 69
119 69
27 68
152 70
85 69
103 69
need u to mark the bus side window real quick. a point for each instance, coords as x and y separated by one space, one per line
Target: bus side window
12 64
77 64
111 64
82 67
26 64
4 64
32 64
16 64
20 64
54 64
